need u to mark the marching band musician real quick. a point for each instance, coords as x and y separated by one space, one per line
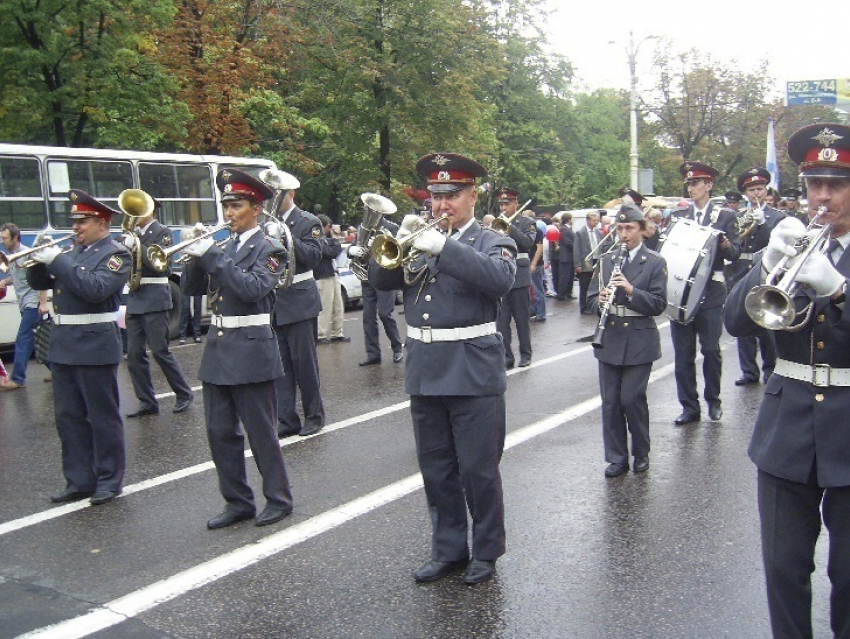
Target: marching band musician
85 350
801 438
296 319
631 342
707 324
240 362
523 231
753 184
147 322
792 204
455 372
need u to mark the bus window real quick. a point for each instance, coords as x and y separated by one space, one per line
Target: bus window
184 191
101 179
21 200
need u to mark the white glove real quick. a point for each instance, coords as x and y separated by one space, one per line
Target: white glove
818 273
355 251
200 247
783 237
186 234
758 216
130 240
408 225
47 254
272 229
198 229
431 241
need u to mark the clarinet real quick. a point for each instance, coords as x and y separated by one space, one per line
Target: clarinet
619 256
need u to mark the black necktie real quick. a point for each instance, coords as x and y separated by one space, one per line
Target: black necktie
234 247
833 246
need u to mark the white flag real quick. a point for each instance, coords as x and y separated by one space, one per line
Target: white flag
770 160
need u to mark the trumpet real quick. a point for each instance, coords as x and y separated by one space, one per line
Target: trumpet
6 260
501 224
186 257
619 256
391 253
158 256
771 305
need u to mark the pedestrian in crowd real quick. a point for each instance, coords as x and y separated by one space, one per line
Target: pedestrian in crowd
4 376
455 372
327 279
801 439
754 237
487 220
32 305
240 362
587 238
566 257
537 301
652 232
792 204
296 317
85 350
630 341
523 231
148 305
707 324
551 249
733 199
191 313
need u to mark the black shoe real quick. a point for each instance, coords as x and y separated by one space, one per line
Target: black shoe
509 365
615 470
182 405
746 381
311 429
641 464
197 340
141 411
715 413
228 518
478 571
283 431
585 311
69 495
434 570
272 515
103 496
369 362
398 356
686 418
340 339
323 340
523 362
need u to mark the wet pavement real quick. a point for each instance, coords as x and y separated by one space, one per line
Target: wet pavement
673 552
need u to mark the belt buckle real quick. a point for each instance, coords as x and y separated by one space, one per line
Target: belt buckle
218 321
427 335
819 372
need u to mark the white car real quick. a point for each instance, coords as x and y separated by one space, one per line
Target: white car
352 290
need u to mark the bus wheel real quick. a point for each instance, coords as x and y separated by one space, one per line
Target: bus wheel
176 310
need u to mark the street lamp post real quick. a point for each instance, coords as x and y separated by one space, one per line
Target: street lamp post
632 51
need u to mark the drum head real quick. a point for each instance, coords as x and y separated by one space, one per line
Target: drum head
689 250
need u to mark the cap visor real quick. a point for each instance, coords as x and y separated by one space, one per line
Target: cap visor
445 188
825 172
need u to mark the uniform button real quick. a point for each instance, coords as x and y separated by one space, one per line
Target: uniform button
221 297
820 346
821 317
220 333
427 298
819 397
425 316
612 323
433 279
58 291
625 323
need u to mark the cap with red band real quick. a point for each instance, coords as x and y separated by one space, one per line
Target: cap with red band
448 172
237 185
821 150
84 205
693 170
506 195
750 177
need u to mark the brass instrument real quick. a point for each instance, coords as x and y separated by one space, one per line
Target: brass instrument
747 222
619 256
375 207
158 256
501 224
6 260
279 231
182 259
391 253
136 205
771 305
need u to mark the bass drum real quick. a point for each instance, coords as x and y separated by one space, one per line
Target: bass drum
689 249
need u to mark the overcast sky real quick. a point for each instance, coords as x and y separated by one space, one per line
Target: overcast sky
800 43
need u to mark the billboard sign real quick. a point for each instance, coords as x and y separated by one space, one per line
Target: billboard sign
828 92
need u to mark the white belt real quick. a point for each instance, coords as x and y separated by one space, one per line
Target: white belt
154 280
717 276
821 375
427 334
747 256
522 256
622 311
240 321
302 277
85 318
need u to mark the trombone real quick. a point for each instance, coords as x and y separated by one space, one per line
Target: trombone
6 260
771 305
158 256
501 224
391 253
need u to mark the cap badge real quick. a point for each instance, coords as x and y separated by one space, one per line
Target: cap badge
440 160
753 171
827 137
226 174
828 155
228 188
74 197
689 167
444 176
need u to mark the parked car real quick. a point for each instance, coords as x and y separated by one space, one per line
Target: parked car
352 289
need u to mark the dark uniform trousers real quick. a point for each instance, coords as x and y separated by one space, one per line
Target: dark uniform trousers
297 345
379 305
152 328
707 325
523 231
623 391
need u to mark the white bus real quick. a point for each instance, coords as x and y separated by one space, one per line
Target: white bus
35 180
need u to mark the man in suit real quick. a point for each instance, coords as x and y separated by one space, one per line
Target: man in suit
523 231
566 274
587 239
792 204
85 349
240 362
148 304
296 315
455 371
629 341
801 438
707 323
754 237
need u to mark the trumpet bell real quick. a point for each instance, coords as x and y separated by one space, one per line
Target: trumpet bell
770 307
387 251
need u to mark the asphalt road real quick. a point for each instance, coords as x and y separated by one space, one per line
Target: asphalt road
673 552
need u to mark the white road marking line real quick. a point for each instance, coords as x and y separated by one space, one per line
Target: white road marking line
133 604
